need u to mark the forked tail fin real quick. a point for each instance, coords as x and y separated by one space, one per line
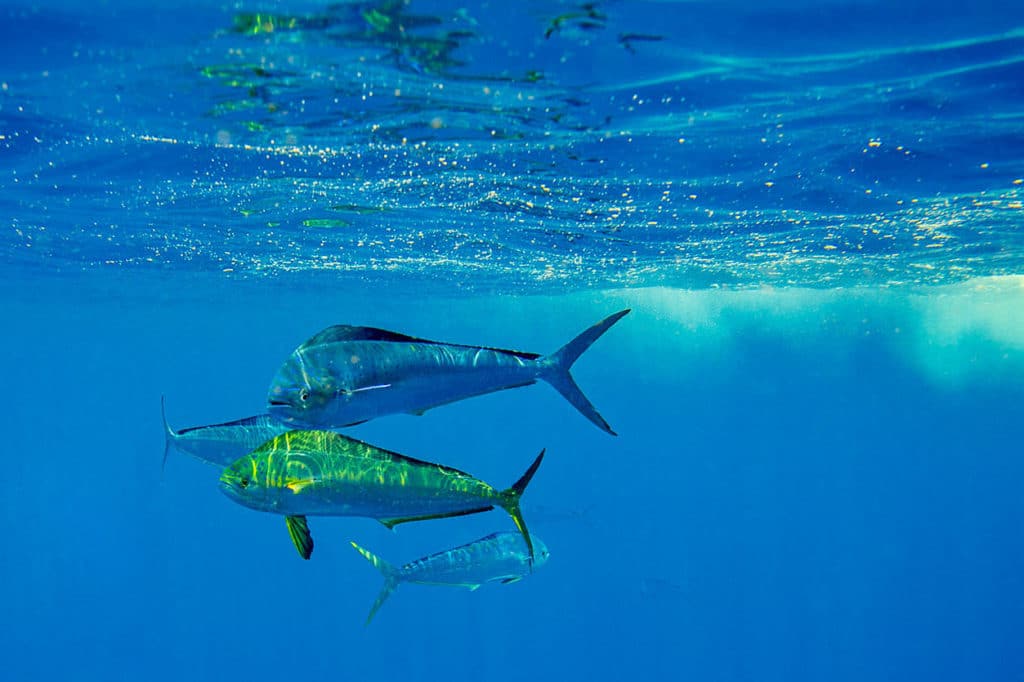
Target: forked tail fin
510 501
169 435
560 362
392 577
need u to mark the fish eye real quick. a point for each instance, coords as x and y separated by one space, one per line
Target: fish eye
304 395
243 483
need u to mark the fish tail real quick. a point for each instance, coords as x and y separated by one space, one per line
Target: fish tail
561 361
510 501
392 576
169 435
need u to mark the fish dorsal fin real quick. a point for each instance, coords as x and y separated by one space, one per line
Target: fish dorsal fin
346 332
391 523
298 529
367 448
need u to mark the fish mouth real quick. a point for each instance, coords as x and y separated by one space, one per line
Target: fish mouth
237 494
284 413
231 489
279 403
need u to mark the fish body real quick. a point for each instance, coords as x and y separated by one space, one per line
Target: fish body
346 375
322 473
499 557
222 444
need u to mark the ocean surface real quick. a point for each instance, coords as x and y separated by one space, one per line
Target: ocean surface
814 211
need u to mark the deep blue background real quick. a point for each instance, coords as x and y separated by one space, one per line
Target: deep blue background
818 392
798 492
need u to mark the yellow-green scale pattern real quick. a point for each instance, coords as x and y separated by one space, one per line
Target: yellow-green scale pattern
341 475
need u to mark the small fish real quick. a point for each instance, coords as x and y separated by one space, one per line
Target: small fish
221 444
500 557
588 17
627 39
346 375
322 473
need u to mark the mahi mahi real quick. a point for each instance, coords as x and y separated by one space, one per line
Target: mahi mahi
221 444
500 557
322 473
346 375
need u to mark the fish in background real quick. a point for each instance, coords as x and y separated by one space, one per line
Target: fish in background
346 375
221 444
500 557
322 473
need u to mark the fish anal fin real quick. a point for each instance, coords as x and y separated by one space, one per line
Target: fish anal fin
420 412
391 523
298 530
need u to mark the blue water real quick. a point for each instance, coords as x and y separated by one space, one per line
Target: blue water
814 210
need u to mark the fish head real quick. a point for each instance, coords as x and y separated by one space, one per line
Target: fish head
300 392
271 477
246 481
540 552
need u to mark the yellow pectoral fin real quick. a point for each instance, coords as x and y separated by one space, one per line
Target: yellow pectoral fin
298 529
297 486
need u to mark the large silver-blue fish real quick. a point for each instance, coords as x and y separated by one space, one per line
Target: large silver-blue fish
222 444
346 375
500 557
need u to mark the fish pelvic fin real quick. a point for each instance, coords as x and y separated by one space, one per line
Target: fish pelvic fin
298 529
169 435
392 576
510 502
559 363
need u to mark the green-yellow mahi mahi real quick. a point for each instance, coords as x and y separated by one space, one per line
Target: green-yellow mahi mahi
322 473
